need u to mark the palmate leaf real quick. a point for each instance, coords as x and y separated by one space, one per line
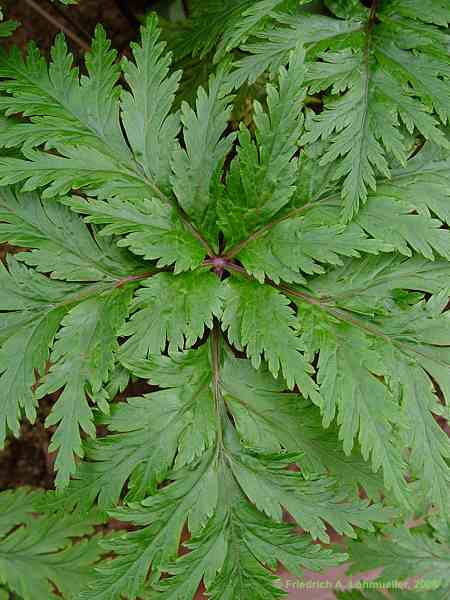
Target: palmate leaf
393 225
300 245
61 106
46 542
178 424
377 75
176 421
222 26
153 230
210 487
396 354
406 213
269 419
262 176
372 286
194 167
364 405
238 249
92 153
35 307
269 50
150 130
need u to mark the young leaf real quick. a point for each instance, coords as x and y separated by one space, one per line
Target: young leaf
262 175
205 149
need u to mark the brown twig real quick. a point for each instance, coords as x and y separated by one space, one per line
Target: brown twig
57 23
186 9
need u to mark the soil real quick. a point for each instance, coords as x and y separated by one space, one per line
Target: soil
79 20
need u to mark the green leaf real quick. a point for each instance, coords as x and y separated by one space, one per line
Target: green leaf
79 118
405 553
298 246
64 108
17 507
270 50
262 175
390 358
205 149
394 226
32 309
372 285
270 420
62 245
249 21
151 229
362 123
340 409
223 25
349 374
47 542
149 433
421 185
420 348
429 11
150 130
311 503
347 9
249 308
82 359
214 497
191 302
382 78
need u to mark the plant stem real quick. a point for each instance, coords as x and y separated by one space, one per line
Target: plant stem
137 277
217 395
295 212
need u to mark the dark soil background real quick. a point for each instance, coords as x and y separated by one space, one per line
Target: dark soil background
119 17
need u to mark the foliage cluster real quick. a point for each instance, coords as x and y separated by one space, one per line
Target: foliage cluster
281 284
